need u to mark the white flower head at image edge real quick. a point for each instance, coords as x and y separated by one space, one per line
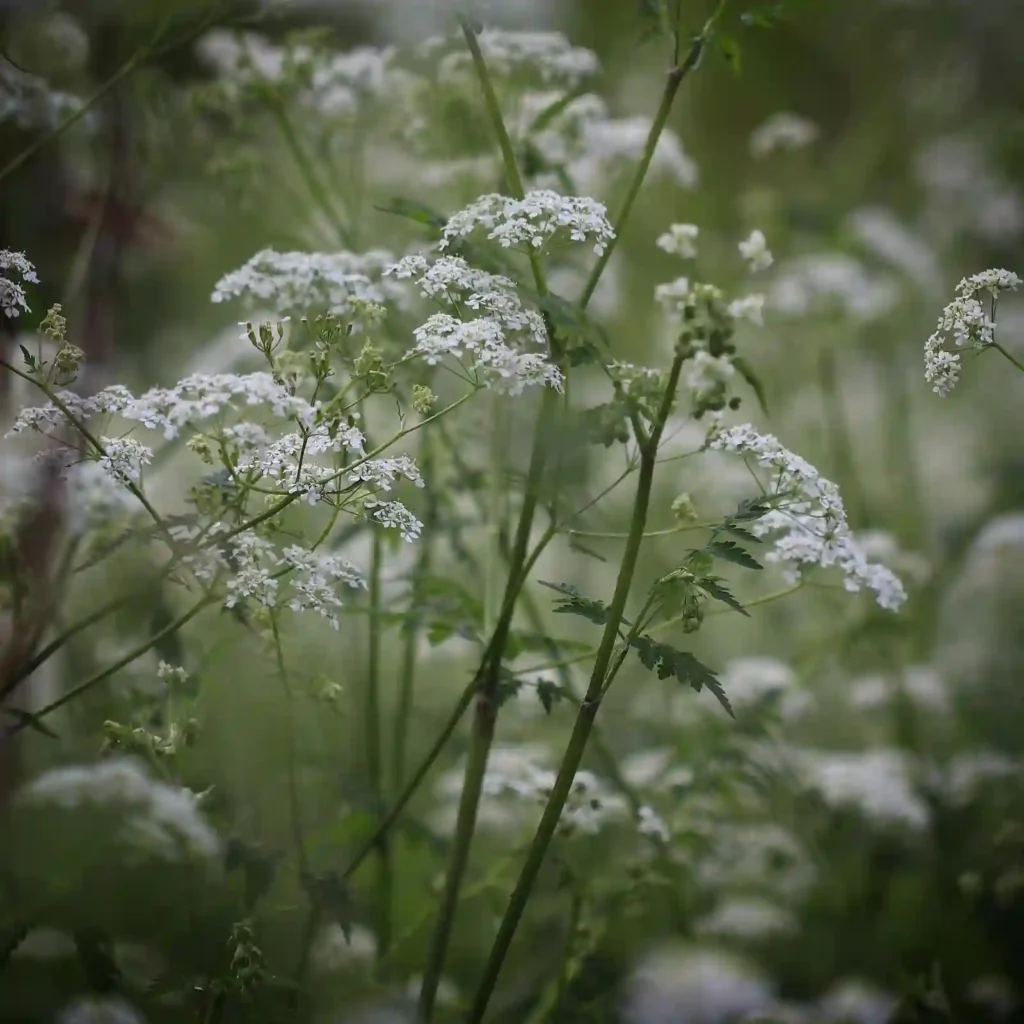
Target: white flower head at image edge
969 323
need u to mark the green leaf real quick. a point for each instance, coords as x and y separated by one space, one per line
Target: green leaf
714 588
747 373
730 551
331 895
26 720
669 662
549 693
738 531
412 210
730 50
574 603
582 339
751 509
507 689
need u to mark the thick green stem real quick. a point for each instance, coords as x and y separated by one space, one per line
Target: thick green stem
486 709
587 712
673 80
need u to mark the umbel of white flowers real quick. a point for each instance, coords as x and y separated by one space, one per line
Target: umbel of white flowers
969 322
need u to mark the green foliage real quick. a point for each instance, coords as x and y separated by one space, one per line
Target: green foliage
573 602
730 551
669 662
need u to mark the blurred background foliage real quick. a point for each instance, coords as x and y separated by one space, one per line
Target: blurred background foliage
917 176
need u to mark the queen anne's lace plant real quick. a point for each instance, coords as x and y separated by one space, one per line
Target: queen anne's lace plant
535 223
969 322
783 130
300 283
12 292
808 524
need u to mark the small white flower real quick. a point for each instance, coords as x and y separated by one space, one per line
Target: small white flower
680 240
124 458
782 131
750 307
754 249
395 516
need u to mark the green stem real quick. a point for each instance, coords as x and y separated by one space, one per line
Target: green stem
673 80
485 714
587 712
294 805
121 663
487 678
385 824
44 140
1013 359
420 575
316 187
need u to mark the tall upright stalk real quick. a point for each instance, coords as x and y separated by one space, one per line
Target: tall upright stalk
488 676
600 677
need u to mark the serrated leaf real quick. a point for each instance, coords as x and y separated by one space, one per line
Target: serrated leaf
748 374
714 588
409 209
549 693
751 509
669 662
730 551
507 689
582 338
738 531
573 602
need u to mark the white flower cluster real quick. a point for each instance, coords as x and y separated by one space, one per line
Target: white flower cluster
680 240
495 340
877 783
301 283
809 527
162 820
968 321
12 292
580 142
541 217
746 917
754 249
317 79
511 55
783 130
124 458
255 568
197 398
516 772
832 278
279 459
